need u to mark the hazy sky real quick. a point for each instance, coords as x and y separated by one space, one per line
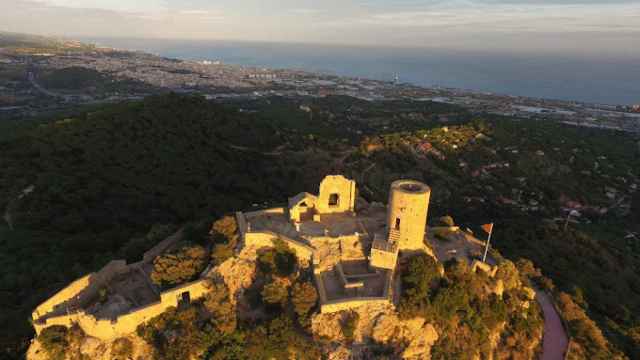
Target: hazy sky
604 26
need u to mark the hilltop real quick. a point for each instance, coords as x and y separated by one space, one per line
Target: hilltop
82 190
32 44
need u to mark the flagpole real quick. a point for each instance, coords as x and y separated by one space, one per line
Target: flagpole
486 249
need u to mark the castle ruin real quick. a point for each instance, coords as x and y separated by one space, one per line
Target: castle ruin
353 248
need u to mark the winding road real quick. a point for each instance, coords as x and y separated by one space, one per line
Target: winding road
555 341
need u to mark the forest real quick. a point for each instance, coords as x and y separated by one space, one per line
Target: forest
77 191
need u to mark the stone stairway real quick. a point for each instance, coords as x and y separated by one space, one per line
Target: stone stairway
394 236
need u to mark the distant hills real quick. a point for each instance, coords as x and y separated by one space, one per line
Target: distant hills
30 43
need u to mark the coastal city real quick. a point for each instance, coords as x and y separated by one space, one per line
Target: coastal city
34 83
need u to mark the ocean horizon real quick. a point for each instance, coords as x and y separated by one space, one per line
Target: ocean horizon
585 77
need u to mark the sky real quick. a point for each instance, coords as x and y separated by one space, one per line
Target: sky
607 27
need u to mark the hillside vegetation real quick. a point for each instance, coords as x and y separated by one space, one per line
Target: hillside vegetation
82 190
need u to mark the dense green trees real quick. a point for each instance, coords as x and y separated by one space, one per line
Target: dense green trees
418 279
104 175
181 266
54 341
280 260
304 298
467 312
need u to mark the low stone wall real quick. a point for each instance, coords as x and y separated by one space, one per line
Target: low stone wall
266 238
63 307
354 302
252 214
335 306
162 246
126 324
81 291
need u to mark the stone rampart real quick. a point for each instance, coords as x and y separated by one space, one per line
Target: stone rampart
81 291
265 239
162 246
347 304
125 324
258 213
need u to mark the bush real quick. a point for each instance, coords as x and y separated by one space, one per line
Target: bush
349 325
221 252
223 230
121 349
174 334
275 293
280 260
54 341
303 297
179 267
420 273
218 304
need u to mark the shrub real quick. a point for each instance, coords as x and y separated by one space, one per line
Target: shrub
218 304
349 325
275 294
179 267
224 229
420 273
54 341
174 334
280 260
508 273
121 349
304 297
221 252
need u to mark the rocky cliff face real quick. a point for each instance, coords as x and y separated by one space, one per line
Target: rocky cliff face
409 339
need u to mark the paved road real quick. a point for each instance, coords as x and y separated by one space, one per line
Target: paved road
555 341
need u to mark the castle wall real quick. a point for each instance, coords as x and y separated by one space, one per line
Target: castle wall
81 291
340 305
266 238
252 214
343 187
407 212
126 324
162 246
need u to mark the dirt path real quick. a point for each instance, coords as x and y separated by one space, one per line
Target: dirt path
555 341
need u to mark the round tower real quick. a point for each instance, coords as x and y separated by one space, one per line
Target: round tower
407 213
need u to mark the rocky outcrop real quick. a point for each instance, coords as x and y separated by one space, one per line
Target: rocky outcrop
329 326
412 338
238 273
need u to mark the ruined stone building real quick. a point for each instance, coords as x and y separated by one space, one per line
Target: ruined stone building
352 246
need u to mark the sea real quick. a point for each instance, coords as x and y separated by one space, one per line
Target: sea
586 77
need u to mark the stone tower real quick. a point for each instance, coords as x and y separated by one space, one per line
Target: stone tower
407 213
